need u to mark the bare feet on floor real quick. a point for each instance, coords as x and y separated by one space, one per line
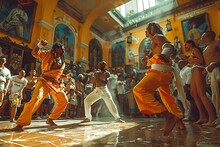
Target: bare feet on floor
119 120
50 122
217 122
12 121
17 128
200 122
180 125
171 121
209 124
85 120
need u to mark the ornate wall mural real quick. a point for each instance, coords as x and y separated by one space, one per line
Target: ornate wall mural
64 35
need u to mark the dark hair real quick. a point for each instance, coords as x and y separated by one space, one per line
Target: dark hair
157 27
211 34
57 45
194 45
191 42
102 65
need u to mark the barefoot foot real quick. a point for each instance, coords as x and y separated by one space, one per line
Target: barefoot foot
85 120
180 125
18 128
200 122
171 120
50 122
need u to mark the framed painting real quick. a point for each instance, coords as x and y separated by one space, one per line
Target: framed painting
17 17
63 34
194 27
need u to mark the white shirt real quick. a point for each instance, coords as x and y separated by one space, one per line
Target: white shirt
120 87
17 85
112 81
185 74
4 74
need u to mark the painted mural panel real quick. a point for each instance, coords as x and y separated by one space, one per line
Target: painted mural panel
118 54
64 35
17 17
95 52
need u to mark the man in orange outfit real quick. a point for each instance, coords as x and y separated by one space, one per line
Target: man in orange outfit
158 77
52 68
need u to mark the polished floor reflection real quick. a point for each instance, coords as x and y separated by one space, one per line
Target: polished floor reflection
104 132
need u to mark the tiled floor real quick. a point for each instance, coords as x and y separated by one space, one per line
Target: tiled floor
103 132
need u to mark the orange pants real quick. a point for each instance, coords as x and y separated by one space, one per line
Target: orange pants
144 94
39 94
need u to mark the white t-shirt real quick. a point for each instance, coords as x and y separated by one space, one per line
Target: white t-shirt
17 85
4 75
112 81
72 99
121 87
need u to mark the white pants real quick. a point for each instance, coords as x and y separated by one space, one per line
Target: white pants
215 78
95 95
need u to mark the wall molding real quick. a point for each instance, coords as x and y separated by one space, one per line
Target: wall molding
45 24
84 45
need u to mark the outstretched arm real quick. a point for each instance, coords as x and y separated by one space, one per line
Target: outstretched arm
35 51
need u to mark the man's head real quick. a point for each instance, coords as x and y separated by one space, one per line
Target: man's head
208 37
33 72
21 73
153 28
102 65
58 49
80 77
2 61
182 63
189 44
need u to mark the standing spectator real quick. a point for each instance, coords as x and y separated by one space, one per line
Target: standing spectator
185 74
212 62
32 80
80 92
18 82
121 93
198 86
72 105
5 76
112 85
130 83
70 83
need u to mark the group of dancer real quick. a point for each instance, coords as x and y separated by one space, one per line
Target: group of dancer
158 77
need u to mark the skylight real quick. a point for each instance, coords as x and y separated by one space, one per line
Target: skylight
136 11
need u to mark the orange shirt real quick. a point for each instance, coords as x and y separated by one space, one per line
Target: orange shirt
47 60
